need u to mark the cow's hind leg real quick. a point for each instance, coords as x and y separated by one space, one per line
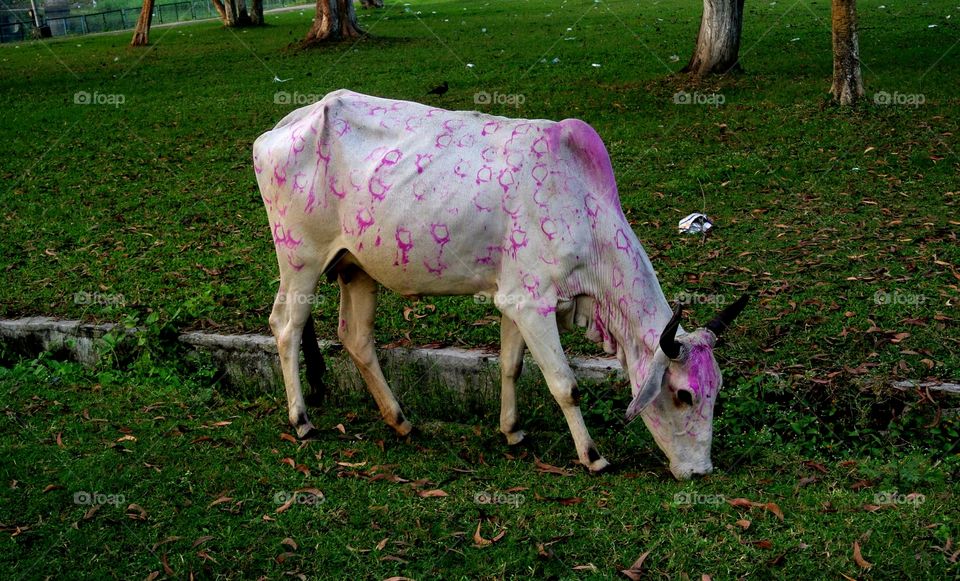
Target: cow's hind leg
291 312
543 338
358 301
511 364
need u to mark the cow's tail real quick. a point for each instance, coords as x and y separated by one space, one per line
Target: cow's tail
316 366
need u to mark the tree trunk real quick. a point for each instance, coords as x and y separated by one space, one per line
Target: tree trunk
233 13
847 85
256 13
335 20
718 42
141 33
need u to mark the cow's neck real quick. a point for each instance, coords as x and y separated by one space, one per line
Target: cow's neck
631 306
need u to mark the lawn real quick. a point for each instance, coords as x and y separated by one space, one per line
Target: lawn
129 196
153 473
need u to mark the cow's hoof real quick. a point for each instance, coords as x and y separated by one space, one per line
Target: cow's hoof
404 429
598 466
306 432
514 438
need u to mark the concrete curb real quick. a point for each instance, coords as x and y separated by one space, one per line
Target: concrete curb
249 363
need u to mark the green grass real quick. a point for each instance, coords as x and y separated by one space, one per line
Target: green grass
148 212
155 199
209 474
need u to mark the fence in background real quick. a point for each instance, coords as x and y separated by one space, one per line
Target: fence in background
120 19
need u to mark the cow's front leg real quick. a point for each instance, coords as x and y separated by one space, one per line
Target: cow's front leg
358 301
543 340
511 364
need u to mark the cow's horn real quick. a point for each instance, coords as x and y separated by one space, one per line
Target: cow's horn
720 323
668 339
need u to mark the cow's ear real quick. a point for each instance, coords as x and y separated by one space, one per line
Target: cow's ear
651 386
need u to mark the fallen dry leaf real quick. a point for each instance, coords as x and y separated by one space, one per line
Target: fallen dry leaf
50 487
136 512
743 523
435 493
288 437
200 541
220 500
634 572
290 543
858 558
544 468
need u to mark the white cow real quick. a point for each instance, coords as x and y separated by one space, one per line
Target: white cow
425 201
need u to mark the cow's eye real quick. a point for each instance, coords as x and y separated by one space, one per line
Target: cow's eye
685 397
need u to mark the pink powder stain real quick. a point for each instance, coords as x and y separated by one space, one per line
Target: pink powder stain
484 175
467 141
378 190
552 260
377 110
283 238
332 182
295 265
376 153
298 184
518 240
460 170
514 161
622 241
506 199
341 127
589 148
539 173
488 259
505 179
297 142
412 124
488 154
404 245
617 277
701 375
477 205
593 208
311 201
378 240
440 233
432 111
389 158
453 125
419 163
443 140
364 220
257 168
549 227
546 310
323 154
490 127
279 175
539 147
652 339
343 324
438 269
531 283
419 191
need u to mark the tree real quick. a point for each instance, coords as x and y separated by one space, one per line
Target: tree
847 85
141 33
718 42
335 20
234 13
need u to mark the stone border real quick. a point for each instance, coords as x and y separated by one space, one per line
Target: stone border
249 363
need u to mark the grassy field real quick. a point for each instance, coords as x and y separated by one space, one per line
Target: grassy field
129 196
152 473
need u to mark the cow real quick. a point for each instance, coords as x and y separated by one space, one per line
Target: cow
524 213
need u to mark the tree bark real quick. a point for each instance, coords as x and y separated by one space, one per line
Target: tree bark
256 13
718 42
847 86
335 20
141 33
233 13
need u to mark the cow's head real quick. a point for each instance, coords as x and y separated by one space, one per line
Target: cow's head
677 397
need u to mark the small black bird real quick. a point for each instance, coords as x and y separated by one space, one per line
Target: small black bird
439 89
